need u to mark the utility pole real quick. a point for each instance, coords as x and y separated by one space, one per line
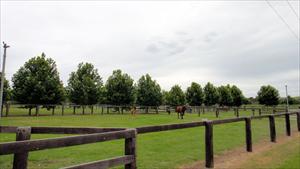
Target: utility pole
5 46
287 98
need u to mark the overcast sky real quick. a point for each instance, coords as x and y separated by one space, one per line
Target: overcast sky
176 42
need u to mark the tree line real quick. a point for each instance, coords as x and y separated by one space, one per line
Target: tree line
38 82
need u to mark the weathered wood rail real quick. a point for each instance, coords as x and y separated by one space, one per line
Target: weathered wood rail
23 146
92 135
209 130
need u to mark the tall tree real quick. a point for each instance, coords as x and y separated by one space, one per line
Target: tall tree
165 96
6 90
37 82
119 88
194 94
225 95
268 95
237 96
84 85
211 94
176 96
148 92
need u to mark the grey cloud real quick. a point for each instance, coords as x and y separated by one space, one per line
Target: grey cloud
152 48
210 37
165 47
250 48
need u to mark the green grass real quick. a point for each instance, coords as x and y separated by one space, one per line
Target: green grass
161 150
284 156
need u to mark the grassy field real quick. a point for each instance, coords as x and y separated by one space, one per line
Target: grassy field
281 156
161 150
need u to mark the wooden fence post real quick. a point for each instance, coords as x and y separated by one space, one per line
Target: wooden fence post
287 124
237 112
102 110
209 151
298 121
74 109
272 128
248 134
20 159
130 149
253 112
259 111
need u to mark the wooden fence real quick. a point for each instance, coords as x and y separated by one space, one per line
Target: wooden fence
21 148
35 110
209 155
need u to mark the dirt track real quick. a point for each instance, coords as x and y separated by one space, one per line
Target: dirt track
234 159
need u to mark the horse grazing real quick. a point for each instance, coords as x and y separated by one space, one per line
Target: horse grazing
180 110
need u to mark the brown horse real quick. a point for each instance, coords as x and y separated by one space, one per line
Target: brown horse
180 110
133 111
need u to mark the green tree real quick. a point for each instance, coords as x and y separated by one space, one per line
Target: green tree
84 85
148 92
37 82
225 95
194 94
6 90
292 100
268 95
237 96
211 94
176 96
119 89
165 96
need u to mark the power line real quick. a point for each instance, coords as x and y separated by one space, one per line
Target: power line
294 11
282 19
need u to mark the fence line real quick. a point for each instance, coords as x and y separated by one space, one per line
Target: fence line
61 109
23 146
20 148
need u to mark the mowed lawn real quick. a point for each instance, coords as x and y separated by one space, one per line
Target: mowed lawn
160 150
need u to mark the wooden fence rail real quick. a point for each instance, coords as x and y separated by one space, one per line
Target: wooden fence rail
20 148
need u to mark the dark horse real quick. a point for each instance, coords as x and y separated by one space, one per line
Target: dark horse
180 110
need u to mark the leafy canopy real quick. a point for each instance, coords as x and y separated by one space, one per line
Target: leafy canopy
148 92
119 88
37 82
85 85
6 89
268 95
226 98
175 96
211 94
237 96
194 95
